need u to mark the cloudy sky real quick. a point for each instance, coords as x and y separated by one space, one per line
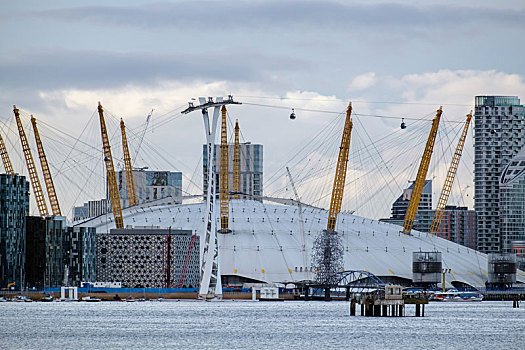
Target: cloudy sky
392 58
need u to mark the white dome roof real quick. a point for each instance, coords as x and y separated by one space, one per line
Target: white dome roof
267 242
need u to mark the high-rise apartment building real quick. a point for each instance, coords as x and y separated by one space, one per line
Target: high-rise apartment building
499 125
251 169
423 218
14 205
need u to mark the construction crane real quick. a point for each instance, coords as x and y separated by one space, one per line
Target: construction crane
112 179
224 181
53 200
33 175
132 193
340 174
421 175
5 158
236 186
451 174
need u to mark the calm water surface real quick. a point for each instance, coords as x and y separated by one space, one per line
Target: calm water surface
246 324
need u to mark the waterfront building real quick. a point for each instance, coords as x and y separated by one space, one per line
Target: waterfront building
58 255
80 246
14 204
35 252
251 169
46 251
499 127
163 187
149 257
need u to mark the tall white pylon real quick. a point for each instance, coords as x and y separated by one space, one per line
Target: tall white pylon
210 283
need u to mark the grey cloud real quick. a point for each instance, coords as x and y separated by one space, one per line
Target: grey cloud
66 68
211 15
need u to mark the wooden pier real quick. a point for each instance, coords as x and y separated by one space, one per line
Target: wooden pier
389 302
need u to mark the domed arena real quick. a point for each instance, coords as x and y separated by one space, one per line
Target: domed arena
273 243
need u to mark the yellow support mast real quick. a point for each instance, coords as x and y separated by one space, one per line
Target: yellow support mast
447 187
112 179
340 174
421 175
224 176
50 186
5 158
35 182
132 193
236 164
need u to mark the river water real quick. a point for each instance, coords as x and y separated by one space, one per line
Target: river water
255 325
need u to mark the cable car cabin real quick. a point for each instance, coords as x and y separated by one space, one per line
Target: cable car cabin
403 125
292 115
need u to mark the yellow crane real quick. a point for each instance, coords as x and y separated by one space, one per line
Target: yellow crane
224 176
5 158
112 179
451 174
53 200
132 193
340 174
421 175
236 186
35 182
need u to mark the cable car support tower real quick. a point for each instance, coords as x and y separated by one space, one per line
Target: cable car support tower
210 283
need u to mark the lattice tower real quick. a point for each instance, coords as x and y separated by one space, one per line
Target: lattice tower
236 188
132 193
33 175
5 157
421 175
224 179
451 174
112 179
50 186
340 174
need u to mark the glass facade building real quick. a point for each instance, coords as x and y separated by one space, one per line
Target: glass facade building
499 125
14 204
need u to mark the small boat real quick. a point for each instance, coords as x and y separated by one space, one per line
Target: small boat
131 300
2 299
91 299
47 298
456 296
